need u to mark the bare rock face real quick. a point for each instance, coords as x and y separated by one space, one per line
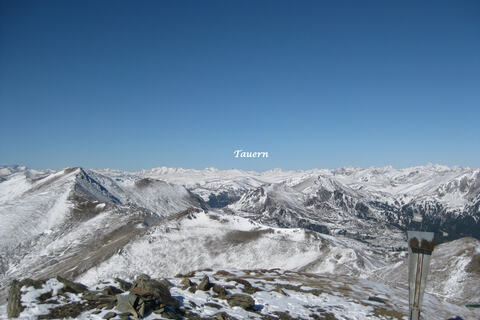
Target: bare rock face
14 306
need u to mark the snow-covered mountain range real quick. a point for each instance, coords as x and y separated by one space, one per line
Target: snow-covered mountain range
447 197
99 224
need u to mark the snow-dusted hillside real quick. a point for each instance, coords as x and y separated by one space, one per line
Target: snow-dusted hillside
98 224
355 200
232 294
210 182
199 240
454 271
67 221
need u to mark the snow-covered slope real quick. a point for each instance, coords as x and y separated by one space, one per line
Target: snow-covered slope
217 187
447 197
96 224
321 204
160 197
200 240
454 271
344 200
66 222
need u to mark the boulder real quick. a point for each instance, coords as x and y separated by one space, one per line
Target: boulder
376 299
109 315
205 284
145 286
241 300
220 290
37 284
171 314
70 286
224 316
166 283
99 299
124 285
213 305
45 296
69 310
186 283
14 306
127 303
281 291
111 291
247 287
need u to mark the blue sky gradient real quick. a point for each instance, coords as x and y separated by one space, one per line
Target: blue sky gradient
141 84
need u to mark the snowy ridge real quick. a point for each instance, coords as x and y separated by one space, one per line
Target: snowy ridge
67 216
216 240
98 224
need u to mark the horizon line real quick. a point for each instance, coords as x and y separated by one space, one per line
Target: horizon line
427 165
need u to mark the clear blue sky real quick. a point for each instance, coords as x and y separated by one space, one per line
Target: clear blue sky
140 84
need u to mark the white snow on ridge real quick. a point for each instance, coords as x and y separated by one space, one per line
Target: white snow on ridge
217 240
26 213
448 185
161 197
385 184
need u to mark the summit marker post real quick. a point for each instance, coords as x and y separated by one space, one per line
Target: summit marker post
420 248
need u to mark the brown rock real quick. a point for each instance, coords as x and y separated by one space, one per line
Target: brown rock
241 300
144 285
14 306
111 291
124 285
70 286
205 284
186 283
224 316
109 315
220 290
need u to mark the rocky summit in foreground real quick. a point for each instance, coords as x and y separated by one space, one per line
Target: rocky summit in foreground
222 295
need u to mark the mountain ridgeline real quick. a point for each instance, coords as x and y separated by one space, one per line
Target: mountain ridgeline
91 225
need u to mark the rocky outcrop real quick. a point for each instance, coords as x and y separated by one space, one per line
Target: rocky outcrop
146 295
70 286
221 295
205 285
14 306
144 286
241 300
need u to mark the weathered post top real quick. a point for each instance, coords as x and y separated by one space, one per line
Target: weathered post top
420 248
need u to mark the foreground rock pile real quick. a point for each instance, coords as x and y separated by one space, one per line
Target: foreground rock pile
220 295
135 300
